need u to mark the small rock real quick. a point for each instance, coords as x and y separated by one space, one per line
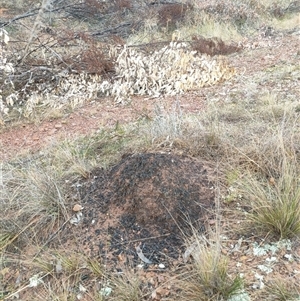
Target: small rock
163 291
77 208
53 131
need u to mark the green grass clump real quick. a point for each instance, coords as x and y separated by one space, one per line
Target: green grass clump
209 277
275 201
276 209
127 287
281 290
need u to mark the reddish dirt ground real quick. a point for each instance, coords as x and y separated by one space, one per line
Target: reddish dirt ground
19 139
146 199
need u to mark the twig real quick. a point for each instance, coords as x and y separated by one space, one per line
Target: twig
51 237
16 236
141 239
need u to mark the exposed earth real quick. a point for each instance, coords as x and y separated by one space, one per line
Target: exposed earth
146 199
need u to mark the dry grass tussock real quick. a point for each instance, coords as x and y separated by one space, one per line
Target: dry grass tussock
33 199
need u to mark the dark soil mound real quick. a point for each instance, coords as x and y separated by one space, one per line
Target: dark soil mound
147 200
